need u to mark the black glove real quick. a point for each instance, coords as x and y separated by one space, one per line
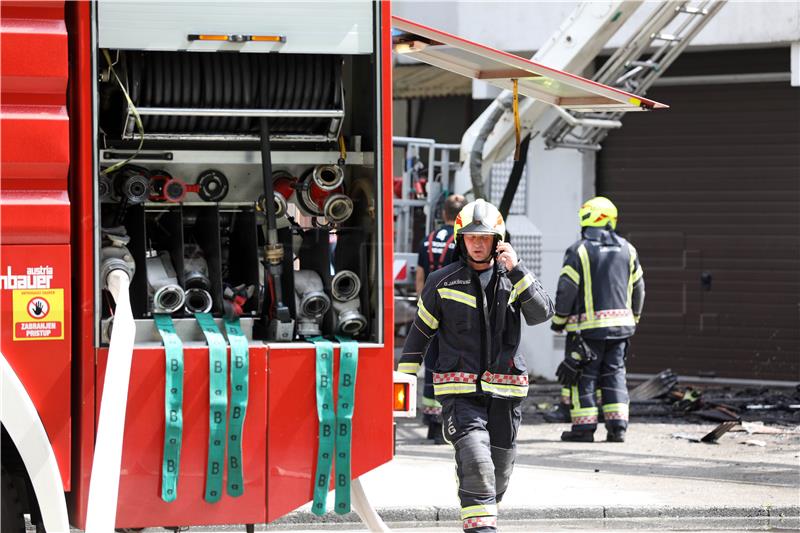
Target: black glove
568 372
577 355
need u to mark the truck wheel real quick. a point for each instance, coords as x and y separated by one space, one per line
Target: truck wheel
11 519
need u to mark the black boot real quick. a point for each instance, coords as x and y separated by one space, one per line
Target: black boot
578 436
558 415
615 435
435 433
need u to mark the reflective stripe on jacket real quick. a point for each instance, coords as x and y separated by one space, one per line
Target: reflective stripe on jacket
601 287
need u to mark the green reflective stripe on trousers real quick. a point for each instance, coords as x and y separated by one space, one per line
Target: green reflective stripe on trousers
240 365
348 369
616 408
327 417
575 397
218 404
173 407
588 300
478 510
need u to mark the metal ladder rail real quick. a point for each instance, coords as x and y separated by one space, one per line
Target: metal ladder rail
556 135
624 70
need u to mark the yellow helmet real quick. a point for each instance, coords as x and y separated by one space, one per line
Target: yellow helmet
598 212
480 217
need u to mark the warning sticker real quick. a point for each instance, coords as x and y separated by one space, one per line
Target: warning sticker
38 314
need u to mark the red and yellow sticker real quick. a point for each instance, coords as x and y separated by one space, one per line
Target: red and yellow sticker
38 314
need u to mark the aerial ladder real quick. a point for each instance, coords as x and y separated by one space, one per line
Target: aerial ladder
635 68
577 42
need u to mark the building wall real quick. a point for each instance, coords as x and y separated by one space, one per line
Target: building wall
527 25
560 180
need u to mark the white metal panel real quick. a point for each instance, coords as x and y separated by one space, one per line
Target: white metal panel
309 27
547 84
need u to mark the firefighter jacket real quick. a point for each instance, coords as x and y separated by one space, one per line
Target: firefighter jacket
601 287
478 329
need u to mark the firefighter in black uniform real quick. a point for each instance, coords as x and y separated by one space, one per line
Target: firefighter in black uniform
436 251
474 308
599 301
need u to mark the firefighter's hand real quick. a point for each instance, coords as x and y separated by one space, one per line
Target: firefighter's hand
568 372
506 255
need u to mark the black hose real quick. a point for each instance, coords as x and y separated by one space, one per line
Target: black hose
174 75
281 76
246 96
147 93
194 69
208 90
186 88
272 232
307 83
214 122
227 91
166 87
157 88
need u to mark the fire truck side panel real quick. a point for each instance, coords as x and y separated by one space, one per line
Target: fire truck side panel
35 291
83 222
385 129
293 434
35 335
307 27
142 454
34 121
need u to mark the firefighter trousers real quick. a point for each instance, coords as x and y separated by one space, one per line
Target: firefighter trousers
483 431
607 374
431 408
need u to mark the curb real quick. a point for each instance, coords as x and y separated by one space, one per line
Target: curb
428 515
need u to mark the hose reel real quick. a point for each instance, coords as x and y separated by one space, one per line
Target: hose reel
197 96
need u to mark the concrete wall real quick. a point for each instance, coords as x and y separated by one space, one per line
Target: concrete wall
560 181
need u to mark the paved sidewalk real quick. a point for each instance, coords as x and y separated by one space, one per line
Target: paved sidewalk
651 475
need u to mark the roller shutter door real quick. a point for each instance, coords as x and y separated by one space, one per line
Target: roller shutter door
709 192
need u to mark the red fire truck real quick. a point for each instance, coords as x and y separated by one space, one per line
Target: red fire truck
195 253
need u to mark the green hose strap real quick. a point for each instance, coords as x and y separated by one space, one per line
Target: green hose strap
239 391
327 417
348 367
218 404
173 407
